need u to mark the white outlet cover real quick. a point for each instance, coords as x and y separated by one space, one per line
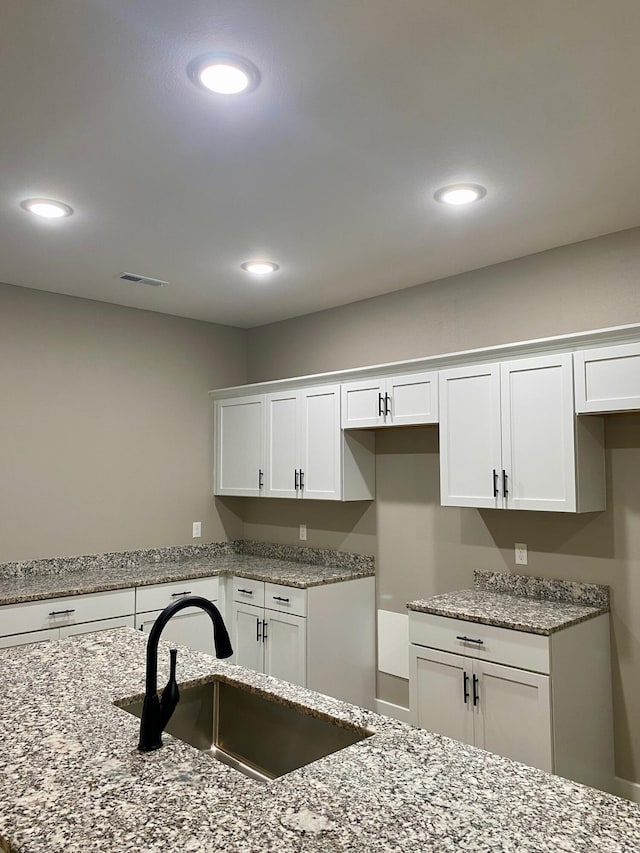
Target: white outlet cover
197 529
303 532
521 554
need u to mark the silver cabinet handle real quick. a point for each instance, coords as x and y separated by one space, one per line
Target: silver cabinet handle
471 640
61 612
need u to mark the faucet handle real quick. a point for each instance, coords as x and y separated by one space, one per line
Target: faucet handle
171 693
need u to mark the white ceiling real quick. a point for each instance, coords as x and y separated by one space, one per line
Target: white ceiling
329 166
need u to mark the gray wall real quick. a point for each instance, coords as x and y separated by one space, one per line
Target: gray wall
105 426
423 548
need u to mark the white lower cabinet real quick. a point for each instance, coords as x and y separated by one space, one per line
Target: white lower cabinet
270 640
498 708
56 618
541 700
190 627
322 637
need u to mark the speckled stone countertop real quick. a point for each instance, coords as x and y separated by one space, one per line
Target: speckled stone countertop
112 571
72 780
535 605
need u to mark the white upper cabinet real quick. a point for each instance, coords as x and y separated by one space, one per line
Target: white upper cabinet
240 446
308 456
401 400
509 438
608 379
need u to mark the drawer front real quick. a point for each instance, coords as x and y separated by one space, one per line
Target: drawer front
158 596
70 610
498 645
286 599
248 591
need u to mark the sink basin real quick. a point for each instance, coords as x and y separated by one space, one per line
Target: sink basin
252 732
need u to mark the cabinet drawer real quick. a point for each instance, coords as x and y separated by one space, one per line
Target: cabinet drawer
286 599
70 610
498 645
157 596
248 591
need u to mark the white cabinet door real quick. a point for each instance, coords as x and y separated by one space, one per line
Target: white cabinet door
285 647
240 446
246 630
190 628
412 399
29 637
608 379
440 693
513 714
320 442
538 442
282 445
470 436
363 403
100 625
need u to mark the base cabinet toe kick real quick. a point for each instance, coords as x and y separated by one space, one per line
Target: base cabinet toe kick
542 700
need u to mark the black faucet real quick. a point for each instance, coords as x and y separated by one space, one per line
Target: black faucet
156 712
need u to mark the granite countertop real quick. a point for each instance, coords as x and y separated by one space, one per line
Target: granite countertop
522 603
98 574
72 780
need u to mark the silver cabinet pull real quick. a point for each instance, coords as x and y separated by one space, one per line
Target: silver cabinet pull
471 640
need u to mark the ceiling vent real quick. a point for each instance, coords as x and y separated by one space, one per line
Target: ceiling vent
143 279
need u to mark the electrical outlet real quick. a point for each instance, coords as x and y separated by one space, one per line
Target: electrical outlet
303 532
521 554
197 529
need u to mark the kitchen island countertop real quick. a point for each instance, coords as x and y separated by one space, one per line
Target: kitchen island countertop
73 781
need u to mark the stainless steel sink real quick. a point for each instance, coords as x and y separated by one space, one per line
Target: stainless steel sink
260 736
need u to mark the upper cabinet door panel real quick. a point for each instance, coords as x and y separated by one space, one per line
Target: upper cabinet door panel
282 445
363 403
240 445
608 379
470 449
538 433
320 442
413 399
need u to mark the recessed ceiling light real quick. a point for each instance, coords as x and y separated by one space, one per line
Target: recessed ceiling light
224 73
259 267
460 193
46 207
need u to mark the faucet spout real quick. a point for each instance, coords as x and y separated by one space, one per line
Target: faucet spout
156 715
